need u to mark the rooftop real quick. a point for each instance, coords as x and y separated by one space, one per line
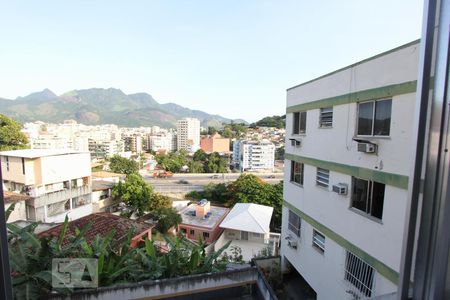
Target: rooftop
10 197
102 224
249 217
101 185
216 215
35 153
105 174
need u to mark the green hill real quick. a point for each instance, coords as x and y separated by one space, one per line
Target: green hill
102 106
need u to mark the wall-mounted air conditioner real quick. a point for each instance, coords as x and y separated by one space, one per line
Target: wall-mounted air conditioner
295 142
367 147
292 244
340 188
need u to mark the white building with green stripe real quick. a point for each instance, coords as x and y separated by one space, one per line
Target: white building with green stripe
348 157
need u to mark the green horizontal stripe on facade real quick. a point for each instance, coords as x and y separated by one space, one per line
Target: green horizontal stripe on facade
381 268
376 93
400 181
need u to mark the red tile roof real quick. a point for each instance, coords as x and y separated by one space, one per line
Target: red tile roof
102 224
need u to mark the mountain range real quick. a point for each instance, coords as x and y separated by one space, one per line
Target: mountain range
103 106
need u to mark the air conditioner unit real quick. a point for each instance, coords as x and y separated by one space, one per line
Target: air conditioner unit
292 244
295 142
367 147
340 188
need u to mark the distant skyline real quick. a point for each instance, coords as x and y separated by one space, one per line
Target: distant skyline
233 58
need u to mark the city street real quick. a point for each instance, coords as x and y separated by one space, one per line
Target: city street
180 183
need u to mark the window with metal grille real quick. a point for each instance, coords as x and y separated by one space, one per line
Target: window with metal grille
323 177
299 124
318 241
368 197
297 172
326 117
294 224
374 118
359 274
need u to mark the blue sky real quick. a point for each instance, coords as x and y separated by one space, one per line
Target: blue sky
235 58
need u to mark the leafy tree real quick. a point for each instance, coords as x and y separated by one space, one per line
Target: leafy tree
159 201
167 218
123 165
135 193
200 155
279 153
172 162
195 167
216 164
212 130
227 133
249 188
274 121
11 138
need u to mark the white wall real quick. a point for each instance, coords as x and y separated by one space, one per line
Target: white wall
324 271
381 239
65 167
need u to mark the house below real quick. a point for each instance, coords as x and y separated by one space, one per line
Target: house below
102 224
248 227
201 221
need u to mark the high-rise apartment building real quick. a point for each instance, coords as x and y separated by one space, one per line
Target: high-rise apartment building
254 155
188 134
349 146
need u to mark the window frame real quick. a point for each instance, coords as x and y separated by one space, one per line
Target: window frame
297 125
291 226
318 244
321 183
301 174
322 111
368 212
354 267
374 102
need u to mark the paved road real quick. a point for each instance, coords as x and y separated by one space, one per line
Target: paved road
197 181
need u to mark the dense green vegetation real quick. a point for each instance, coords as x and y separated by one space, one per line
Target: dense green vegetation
233 130
248 188
201 162
31 259
273 121
11 138
139 196
122 165
167 218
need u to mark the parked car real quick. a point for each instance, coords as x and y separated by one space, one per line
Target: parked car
271 176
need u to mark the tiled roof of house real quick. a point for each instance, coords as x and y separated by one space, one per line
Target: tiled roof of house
10 197
102 224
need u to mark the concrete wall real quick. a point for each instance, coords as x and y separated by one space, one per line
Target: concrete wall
19 212
168 288
65 167
12 170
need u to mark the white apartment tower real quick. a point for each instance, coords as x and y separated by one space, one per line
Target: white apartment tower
254 155
348 154
188 134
